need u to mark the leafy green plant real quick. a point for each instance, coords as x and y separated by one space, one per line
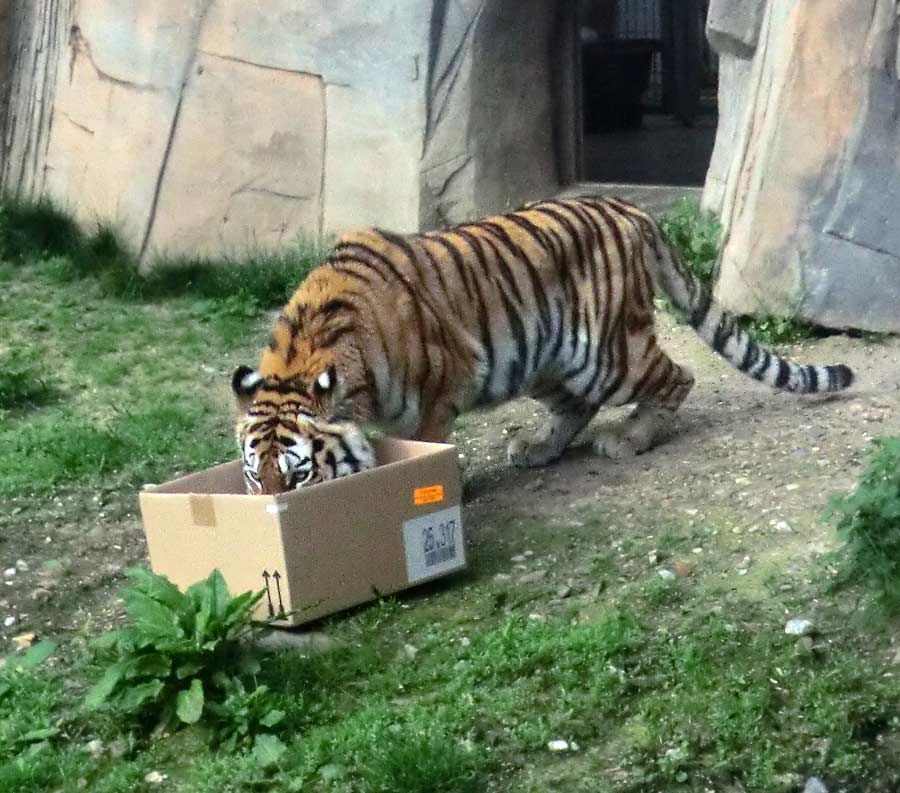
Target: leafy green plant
183 656
868 522
696 235
779 330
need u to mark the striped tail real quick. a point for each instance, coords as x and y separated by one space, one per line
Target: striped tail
721 331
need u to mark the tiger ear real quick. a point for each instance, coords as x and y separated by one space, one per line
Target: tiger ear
245 382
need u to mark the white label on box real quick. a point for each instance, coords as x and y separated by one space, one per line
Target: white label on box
434 544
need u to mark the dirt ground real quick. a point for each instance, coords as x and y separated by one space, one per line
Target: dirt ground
731 500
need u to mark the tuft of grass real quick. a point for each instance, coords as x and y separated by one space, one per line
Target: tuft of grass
34 231
22 386
868 523
696 234
780 330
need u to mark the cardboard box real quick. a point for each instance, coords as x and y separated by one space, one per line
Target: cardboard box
317 550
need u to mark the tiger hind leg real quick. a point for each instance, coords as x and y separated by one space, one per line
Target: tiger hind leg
662 386
566 420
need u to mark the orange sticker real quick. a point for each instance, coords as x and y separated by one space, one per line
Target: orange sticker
428 495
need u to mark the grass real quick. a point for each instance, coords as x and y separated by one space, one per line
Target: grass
867 523
678 709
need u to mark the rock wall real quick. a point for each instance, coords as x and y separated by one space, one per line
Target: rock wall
209 127
806 169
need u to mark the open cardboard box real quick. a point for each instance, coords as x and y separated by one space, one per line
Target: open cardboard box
317 550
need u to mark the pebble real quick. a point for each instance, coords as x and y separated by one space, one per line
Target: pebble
9 622
682 568
533 577
24 640
410 652
564 591
536 617
653 557
303 642
698 549
9 572
518 558
21 565
95 748
560 745
154 778
815 785
666 575
799 627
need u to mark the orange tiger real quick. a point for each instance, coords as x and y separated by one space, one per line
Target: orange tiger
554 301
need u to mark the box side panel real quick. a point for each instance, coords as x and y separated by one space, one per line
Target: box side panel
344 544
190 535
391 450
225 478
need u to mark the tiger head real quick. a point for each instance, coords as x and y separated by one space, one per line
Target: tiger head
284 443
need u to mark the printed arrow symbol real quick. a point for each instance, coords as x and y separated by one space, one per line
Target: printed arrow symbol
277 576
265 575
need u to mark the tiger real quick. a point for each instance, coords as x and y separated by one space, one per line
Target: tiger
555 300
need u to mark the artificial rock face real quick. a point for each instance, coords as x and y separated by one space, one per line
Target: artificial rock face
806 168
205 127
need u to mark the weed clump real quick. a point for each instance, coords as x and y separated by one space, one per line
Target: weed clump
868 522
186 656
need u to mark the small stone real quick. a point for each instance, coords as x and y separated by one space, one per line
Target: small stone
698 549
528 554
815 785
303 642
786 587
9 622
564 591
519 558
9 572
21 565
533 577
558 745
666 575
682 568
95 748
464 641
24 641
154 778
410 652
799 627
536 617
332 772
806 644
118 749
791 486
742 571
653 557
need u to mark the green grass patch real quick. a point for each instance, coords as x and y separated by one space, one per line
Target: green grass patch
710 702
868 523
22 385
